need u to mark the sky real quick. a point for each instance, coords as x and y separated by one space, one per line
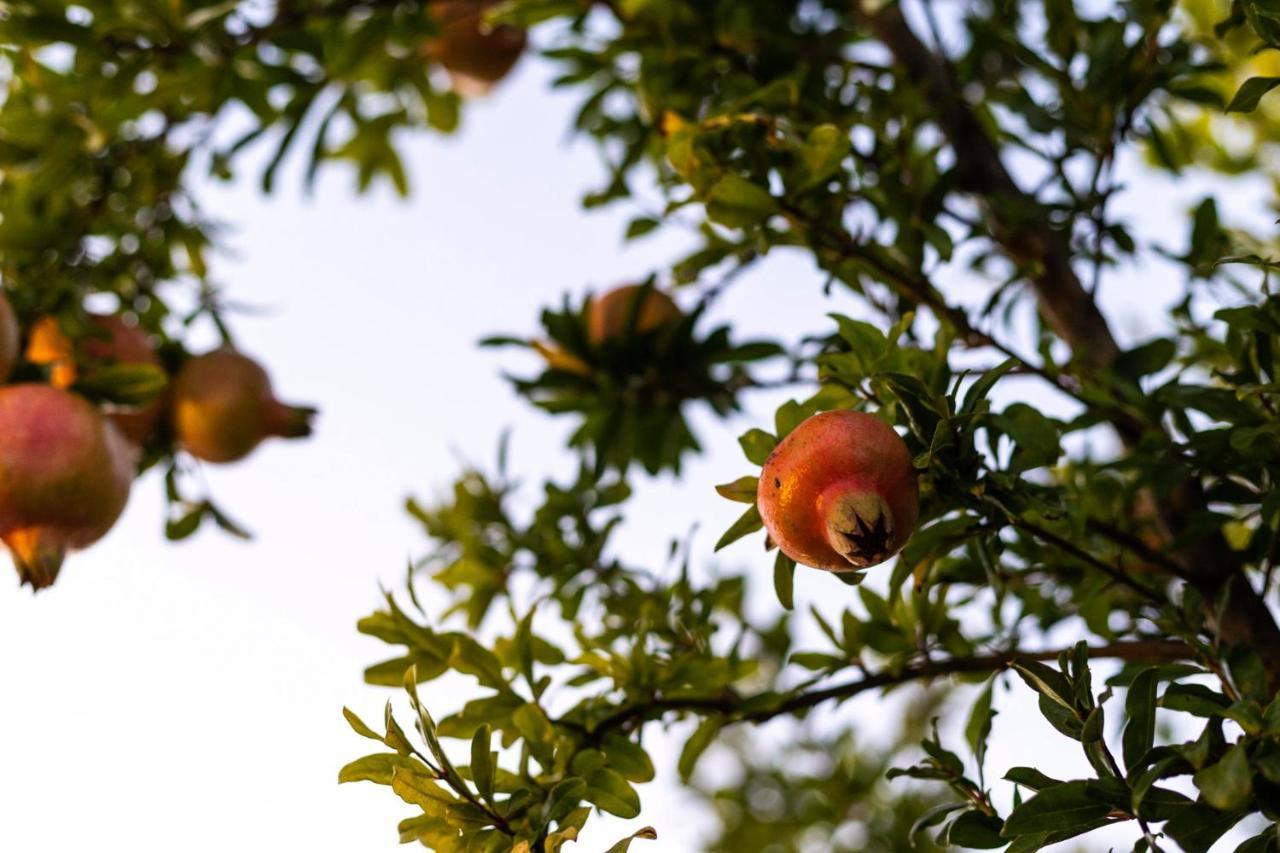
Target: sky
188 696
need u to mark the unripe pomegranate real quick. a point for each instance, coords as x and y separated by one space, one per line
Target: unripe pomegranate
608 313
839 492
9 336
476 56
65 472
222 407
110 340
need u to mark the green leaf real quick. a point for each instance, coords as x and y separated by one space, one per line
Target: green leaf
125 384
738 203
1057 809
628 757
358 725
482 763
607 789
749 522
784 576
646 834
1140 706
1227 785
824 150
703 736
1250 93
379 768
565 796
742 490
1151 357
471 658
757 445
1029 777
978 392
1197 827
978 728
974 830
536 729
1035 435
641 226
1049 683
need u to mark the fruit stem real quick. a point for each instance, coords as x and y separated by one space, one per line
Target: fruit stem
36 557
288 421
859 524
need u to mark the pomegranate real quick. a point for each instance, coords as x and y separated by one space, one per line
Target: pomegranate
477 57
222 407
608 315
110 339
9 335
65 472
839 493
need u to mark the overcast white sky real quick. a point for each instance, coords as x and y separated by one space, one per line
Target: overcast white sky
188 697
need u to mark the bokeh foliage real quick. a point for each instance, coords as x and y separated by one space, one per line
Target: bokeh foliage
916 155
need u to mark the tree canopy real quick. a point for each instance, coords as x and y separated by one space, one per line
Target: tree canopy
1117 563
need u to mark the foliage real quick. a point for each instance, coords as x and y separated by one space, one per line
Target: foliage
912 154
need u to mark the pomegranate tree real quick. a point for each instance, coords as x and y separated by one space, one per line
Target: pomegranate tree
222 406
839 492
65 472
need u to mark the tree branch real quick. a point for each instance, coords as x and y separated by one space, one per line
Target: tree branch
1022 229
735 707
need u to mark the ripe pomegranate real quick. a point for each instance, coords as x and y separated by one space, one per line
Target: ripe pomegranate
110 340
477 57
9 335
222 407
839 493
608 314
65 472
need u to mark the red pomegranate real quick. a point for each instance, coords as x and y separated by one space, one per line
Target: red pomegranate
222 407
9 335
477 57
608 314
65 472
839 492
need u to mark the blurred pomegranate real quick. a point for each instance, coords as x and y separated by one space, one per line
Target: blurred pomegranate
609 313
222 406
65 473
477 57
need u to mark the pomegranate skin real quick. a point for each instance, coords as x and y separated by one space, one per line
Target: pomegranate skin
9 339
222 407
839 493
477 58
65 473
608 313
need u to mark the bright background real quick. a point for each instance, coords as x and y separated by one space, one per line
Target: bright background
188 697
